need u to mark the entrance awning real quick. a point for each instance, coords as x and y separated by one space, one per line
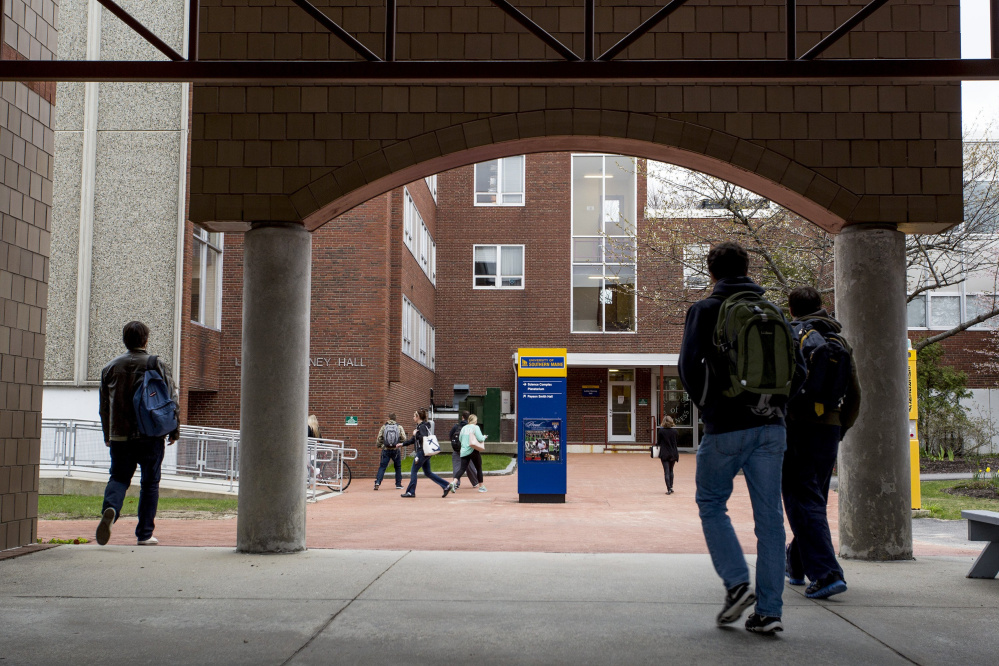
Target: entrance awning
622 360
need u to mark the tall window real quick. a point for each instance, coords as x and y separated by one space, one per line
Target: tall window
500 182
206 279
432 184
603 244
498 266
695 266
417 237
418 335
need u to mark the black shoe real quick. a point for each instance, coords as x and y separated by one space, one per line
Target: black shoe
669 491
763 624
376 486
738 599
448 489
407 495
104 527
825 587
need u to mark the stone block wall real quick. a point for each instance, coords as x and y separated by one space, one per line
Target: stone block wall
27 145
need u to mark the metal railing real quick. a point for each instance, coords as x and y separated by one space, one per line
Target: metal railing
201 454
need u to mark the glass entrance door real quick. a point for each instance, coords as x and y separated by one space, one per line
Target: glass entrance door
621 410
678 405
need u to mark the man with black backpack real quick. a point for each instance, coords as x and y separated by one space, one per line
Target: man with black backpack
455 437
739 364
389 440
818 417
138 408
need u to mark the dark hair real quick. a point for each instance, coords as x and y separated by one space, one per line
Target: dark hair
391 416
728 260
422 413
464 415
135 335
804 300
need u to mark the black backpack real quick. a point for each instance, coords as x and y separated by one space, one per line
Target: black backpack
830 367
391 435
456 436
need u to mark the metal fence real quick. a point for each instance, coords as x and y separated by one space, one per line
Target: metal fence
201 454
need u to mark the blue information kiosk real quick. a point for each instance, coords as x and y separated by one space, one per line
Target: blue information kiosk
541 415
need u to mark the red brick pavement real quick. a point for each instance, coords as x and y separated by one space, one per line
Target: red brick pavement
615 504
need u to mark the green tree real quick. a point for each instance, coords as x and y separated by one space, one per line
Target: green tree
943 422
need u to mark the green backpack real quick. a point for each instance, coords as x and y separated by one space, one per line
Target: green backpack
755 342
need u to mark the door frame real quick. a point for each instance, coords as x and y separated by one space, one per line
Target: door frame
610 412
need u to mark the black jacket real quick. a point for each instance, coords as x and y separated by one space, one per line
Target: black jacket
700 365
666 438
119 380
422 430
801 410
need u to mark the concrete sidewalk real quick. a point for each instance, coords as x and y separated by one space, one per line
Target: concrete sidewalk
126 605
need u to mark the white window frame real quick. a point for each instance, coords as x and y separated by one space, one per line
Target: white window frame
603 264
418 335
500 192
202 243
499 267
416 236
408 223
432 185
692 279
959 293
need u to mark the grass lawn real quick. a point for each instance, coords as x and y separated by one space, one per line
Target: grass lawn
491 462
948 507
70 507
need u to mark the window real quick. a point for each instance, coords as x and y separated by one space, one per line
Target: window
695 267
498 266
417 237
500 182
944 311
604 260
432 184
418 335
206 279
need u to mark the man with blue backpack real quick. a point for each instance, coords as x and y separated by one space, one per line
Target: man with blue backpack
738 362
138 407
818 417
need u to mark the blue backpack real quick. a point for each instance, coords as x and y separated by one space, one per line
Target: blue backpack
155 410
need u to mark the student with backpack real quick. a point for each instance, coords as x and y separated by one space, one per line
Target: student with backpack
422 461
389 441
455 437
138 408
473 442
818 417
739 364
666 440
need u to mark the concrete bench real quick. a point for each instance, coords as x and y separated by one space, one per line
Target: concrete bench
984 526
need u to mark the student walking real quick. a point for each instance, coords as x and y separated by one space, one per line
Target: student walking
120 379
666 438
389 441
471 437
741 393
455 437
422 461
314 430
817 419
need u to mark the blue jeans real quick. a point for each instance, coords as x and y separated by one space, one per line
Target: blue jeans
759 453
393 456
147 454
423 462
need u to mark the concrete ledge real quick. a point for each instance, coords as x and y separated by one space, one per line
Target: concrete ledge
93 484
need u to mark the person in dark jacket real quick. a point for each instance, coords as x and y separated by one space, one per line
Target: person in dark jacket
129 448
666 438
813 436
422 461
745 432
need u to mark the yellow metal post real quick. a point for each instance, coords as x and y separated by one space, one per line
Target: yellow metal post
917 496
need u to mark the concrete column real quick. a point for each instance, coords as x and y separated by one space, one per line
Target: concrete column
277 285
875 518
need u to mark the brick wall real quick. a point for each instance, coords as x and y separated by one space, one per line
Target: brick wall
27 144
964 352
360 269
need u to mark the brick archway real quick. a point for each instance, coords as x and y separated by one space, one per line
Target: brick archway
686 144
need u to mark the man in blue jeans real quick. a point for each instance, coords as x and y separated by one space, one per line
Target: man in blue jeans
744 432
389 440
129 448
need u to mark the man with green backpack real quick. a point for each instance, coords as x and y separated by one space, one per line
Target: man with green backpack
739 363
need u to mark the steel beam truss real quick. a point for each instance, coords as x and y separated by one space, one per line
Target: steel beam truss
572 68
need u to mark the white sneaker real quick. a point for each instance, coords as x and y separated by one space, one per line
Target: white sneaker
482 489
151 541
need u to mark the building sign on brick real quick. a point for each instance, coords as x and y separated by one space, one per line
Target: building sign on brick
350 420
331 362
591 390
